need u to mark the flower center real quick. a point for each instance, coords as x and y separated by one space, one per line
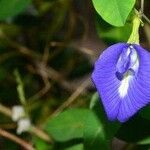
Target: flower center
127 64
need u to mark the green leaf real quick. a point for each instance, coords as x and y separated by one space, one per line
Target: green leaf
76 147
111 34
114 12
94 134
41 144
9 8
67 125
144 141
98 131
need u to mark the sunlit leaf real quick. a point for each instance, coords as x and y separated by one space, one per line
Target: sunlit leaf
113 34
114 12
67 125
144 141
76 147
98 131
41 144
9 8
95 136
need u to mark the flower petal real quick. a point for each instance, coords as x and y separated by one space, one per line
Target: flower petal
105 79
139 89
122 98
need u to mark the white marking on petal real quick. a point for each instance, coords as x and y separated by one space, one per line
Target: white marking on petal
124 85
136 65
135 60
129 50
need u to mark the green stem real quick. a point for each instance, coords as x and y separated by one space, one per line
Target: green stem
20 88
134 37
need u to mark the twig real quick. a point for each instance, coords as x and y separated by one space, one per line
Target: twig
20 88
50 72
36 131
8 126
5 110
147 32
22 49
41 134
16 139
53 74
142 6
146 18
84 50
40 93
39 70
143 15
72 98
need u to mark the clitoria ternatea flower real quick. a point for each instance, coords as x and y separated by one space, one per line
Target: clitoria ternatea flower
122 78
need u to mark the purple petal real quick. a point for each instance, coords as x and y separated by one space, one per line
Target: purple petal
122 106
105 79
139 89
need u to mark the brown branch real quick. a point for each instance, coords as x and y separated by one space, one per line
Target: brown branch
147 32
146 18
20 48
54 75
16 139
44 70
8 126
76 46
5 110
36 131
41 92
72 98
41 134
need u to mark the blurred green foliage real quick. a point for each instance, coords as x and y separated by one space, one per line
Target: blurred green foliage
68 125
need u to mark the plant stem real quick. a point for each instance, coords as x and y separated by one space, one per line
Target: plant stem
16 139
146 18
5 110
142 6
134 37
20 88
36 131
72 98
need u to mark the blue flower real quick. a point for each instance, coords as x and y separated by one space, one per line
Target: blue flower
122 78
